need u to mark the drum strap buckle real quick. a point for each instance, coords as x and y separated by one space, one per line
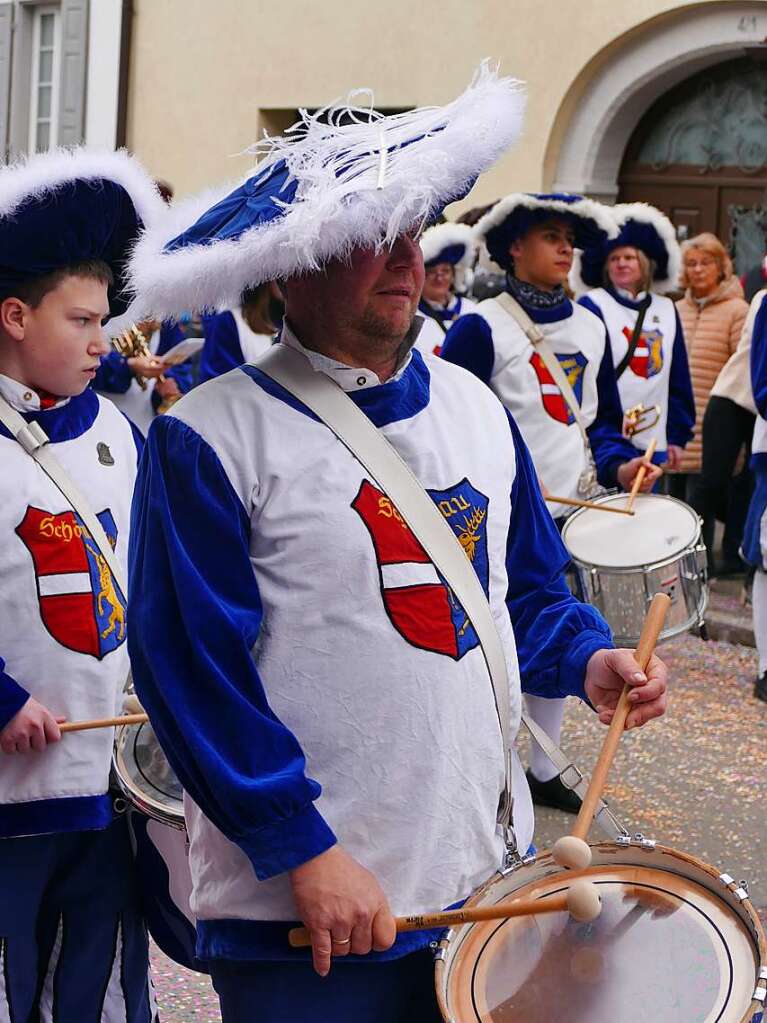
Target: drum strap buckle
572 778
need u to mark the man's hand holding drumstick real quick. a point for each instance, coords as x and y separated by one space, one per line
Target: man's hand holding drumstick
343 907
609 670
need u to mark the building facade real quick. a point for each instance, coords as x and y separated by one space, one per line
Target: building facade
61 63
664 101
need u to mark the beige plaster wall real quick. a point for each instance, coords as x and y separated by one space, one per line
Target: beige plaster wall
201 69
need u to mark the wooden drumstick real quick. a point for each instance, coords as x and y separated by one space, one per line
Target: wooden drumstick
572 851
582 901
639 479
575 503
125 719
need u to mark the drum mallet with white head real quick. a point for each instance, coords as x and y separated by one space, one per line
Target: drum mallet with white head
582 901
571 850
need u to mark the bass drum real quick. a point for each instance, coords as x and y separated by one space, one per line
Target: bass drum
676 942
158 834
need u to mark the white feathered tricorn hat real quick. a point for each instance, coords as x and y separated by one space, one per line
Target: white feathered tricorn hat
642 227
449 243
339 179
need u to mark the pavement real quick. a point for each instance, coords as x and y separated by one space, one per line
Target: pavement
695 780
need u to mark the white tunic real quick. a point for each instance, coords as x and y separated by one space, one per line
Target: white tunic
646 378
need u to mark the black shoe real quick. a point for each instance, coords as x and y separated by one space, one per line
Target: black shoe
553 793
760 688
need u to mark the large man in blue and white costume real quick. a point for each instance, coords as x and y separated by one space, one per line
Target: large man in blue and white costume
628 278
532 238
329 716
449 251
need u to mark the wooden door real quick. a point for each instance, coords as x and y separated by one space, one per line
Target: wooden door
700 152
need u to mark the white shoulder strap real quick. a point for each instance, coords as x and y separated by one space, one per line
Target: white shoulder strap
536 337
34 440
370 447
327 400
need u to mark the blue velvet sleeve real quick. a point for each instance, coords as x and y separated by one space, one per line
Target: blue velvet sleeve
610 447
681 400
195 613
469 343
12 696
113 375
556 634
759 359
222 350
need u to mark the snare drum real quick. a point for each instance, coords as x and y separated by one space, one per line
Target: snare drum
676 942
621 562
158 834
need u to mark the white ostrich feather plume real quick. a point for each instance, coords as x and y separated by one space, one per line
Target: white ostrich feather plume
361 181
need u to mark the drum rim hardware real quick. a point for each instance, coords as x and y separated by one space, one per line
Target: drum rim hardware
673 861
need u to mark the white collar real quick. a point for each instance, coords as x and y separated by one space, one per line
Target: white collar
350 378
22 397
640 295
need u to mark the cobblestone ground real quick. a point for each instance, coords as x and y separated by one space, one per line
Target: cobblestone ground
696 781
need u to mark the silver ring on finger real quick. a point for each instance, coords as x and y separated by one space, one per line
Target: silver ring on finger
342 941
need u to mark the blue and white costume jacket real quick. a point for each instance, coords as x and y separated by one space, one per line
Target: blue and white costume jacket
755 533
437 321
322 683
115 380
229 342
62 615
495 348
658 372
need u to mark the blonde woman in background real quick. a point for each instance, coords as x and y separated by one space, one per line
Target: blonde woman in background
713 312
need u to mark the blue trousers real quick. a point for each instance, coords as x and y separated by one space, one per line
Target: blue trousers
397 991
73 946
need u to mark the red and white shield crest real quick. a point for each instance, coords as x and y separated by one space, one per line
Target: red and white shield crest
80 603
418 601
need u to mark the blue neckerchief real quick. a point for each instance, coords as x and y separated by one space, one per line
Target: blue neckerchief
540 306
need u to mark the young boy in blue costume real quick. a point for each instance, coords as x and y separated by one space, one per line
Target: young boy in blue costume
73 945
325 702
532 237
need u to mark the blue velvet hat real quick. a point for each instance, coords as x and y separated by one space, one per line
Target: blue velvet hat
344 178
512 217
66 207
642 227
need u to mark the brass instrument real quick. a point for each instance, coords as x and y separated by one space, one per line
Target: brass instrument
639 418
131 344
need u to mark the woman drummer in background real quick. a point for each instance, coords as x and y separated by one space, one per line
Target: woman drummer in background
628 278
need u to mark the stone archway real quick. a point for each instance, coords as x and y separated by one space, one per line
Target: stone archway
606 102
